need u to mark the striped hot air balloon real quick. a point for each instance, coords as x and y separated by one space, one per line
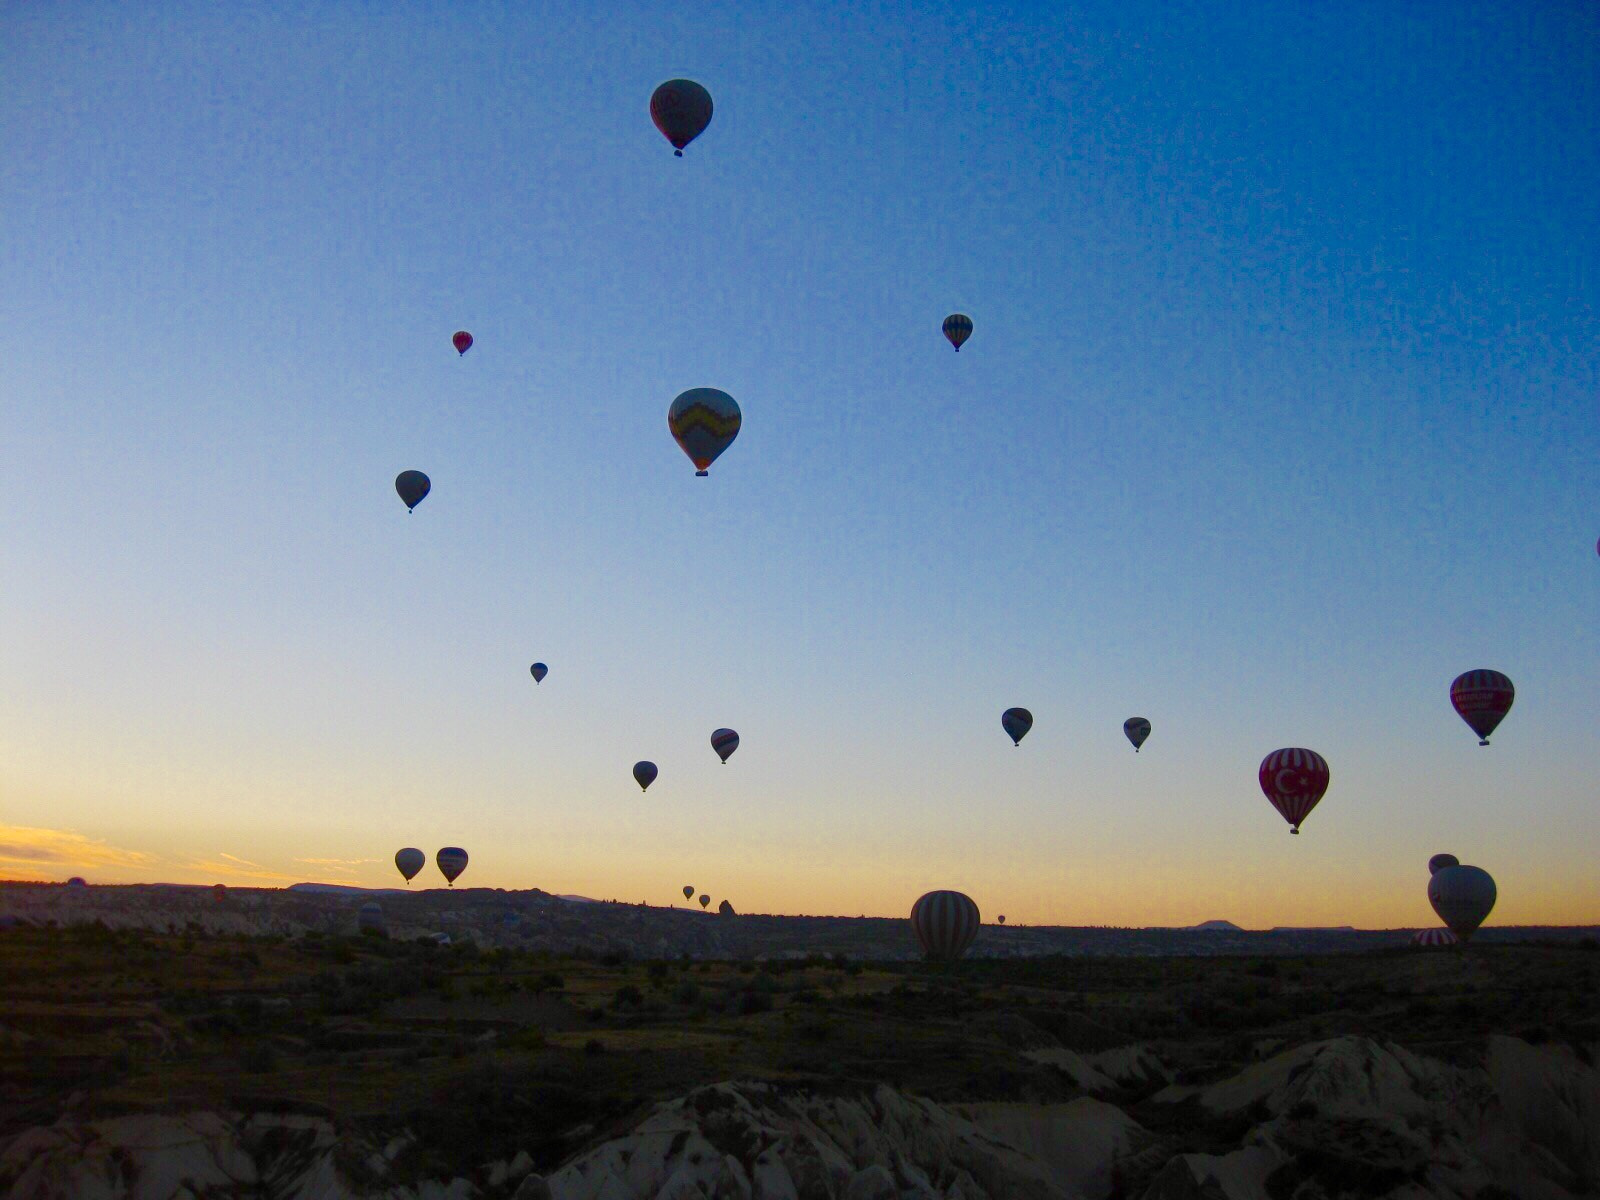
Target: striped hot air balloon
452 861
945 924
1433 937
1483 698
1463 897
957 329
1136 729
724 742
681 110
704 421
1294 780
1440 861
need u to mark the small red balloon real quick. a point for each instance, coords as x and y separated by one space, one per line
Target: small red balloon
462 341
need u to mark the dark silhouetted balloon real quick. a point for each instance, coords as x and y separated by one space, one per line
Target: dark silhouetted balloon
1294 780
945 923
77 881
539 671
681 109
1433 937
370 918
1002 918
704 421
1463 897
688 891
452 861
462 341
1136 729
1016 722
1483 698
724 742
704 900
412 486
1442 860
644 774
957 328
410 860
219 893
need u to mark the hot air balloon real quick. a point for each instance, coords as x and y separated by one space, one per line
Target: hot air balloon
370 918
704 900
462 341
1016 722
724 742
1294 780
1483 698
1462 896
539 671
77 881
1433 937
704 421
688 891
957 329
644 774
410 860
681 109
219 892
945 923
1002 918
1136 729
412 486
1442 860
452 861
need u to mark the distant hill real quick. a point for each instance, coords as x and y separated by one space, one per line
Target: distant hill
343 889
1217 926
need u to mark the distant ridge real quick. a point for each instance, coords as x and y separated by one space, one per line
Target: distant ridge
1216 927
1312 929
343 889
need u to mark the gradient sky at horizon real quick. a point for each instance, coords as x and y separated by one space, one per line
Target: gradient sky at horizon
1282 409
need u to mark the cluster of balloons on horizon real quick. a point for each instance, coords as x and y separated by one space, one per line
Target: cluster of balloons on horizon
705 421
451 861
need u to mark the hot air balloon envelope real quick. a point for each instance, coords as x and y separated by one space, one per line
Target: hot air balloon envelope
1483 698
688 891
412 486
462 341
1136 729
370 918
539 671
452 861
945 924
704 900
219 893
724 742
957 329
1016 722
1433 937
644 774
704 421
1294 780
681 109
1439 861
410 860
1463 897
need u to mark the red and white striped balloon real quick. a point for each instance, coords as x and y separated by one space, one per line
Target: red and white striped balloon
1433 937
945 923
1294 780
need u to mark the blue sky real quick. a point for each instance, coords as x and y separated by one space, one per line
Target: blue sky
1280 411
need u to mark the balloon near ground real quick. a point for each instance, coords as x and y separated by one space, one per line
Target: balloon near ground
219 893
1136 729
1463 896
704 900
1482 698
724 742
409 861
462 341
681 109
412 487
704 423
1433 937
1016 722
945 924
644 774
538 671
370 918
452 860
1440 861
688 891
957 329
1294 780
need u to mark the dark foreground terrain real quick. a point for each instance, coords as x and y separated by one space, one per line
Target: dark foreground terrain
153 1064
